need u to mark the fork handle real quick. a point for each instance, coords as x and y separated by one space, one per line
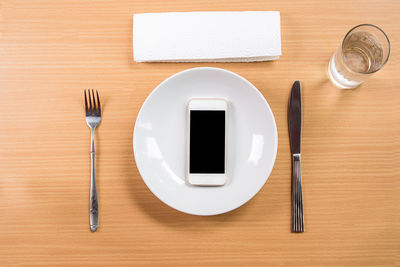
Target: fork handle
297 196
93 202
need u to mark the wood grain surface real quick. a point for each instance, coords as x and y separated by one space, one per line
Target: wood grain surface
51 50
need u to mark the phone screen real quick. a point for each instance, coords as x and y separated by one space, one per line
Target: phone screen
207 141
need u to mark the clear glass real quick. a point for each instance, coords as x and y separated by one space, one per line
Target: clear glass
364 51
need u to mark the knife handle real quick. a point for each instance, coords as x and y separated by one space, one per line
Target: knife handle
297 196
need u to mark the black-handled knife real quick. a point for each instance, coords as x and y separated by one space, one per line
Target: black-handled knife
295 125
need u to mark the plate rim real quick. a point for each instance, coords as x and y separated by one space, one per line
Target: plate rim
214 69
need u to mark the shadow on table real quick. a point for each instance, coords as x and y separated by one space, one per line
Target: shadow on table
161 212
166 215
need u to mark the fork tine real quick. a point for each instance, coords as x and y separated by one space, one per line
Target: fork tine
90 101
86 106
98 102
94 102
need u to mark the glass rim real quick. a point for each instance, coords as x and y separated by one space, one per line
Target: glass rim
369 25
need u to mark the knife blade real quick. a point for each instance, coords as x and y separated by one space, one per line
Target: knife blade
295 128
295 118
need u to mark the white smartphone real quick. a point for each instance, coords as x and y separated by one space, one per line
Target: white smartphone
207 120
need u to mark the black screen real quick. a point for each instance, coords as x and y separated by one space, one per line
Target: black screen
207 141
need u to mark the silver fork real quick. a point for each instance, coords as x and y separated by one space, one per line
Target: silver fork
93 118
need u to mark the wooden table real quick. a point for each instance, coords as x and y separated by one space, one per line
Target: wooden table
51 50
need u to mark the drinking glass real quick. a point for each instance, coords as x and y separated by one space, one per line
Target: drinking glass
365 50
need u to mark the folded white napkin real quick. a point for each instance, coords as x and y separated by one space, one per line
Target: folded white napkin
207 36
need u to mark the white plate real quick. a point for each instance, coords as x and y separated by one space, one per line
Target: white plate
160 133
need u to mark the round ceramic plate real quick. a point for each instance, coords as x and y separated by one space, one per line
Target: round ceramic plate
160 141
